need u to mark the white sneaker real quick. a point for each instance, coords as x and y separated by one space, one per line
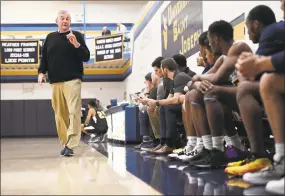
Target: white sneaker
275 186
188 148
176 154
262 177
186 158
181 152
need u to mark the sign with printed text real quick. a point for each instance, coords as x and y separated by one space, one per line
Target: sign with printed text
109 48
181 26
20 52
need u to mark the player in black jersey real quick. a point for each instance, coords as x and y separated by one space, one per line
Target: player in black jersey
95 124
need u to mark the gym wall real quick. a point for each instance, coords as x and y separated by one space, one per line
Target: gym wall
31 103
148 44
46 11
42 12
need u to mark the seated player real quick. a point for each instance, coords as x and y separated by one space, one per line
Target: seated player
216 96
95 124
272 89
272 41
182 64
220 36
149 136
171 108
154 112
207 57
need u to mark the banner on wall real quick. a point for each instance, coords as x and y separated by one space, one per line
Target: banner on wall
20 52
181 26
239 27
109 48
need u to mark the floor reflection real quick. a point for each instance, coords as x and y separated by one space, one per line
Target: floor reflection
37 169
173 177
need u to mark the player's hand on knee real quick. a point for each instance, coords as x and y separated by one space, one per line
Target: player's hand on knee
206 86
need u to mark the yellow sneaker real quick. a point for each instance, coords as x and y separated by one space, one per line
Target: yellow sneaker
238 183
178 150
252 166
237 163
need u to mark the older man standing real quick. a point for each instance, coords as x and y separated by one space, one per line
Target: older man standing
62 57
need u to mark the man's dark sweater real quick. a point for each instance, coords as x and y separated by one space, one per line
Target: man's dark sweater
61 59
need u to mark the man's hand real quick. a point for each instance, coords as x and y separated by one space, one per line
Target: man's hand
72 39
205 86
142 100
181 98
247 65
41 78
196 78
151 103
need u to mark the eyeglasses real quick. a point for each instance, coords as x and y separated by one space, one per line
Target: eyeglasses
63 19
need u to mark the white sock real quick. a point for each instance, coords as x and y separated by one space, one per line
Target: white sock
207 141
199 143
279 151
218 143
235 141
228 141
192 140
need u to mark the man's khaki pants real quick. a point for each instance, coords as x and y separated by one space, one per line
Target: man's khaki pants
66 103
154 118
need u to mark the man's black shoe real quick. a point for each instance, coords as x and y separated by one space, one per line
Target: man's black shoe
148 145
68 152
62 152
138 147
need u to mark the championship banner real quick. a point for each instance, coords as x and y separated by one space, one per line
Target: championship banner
108 48
182 24
20 52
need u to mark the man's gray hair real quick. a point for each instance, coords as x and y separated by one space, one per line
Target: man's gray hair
62 12
105 28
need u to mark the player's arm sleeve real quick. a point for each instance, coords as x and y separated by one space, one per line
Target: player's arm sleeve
278 62
43 68
83 50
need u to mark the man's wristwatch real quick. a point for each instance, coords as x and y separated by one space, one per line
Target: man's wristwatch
157 103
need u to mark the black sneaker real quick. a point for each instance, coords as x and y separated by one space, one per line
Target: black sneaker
148 145
216 159
151 150
138 147
62 152
68 152
204 153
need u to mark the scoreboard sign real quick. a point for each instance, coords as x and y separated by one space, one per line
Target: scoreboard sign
20 52
109 48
